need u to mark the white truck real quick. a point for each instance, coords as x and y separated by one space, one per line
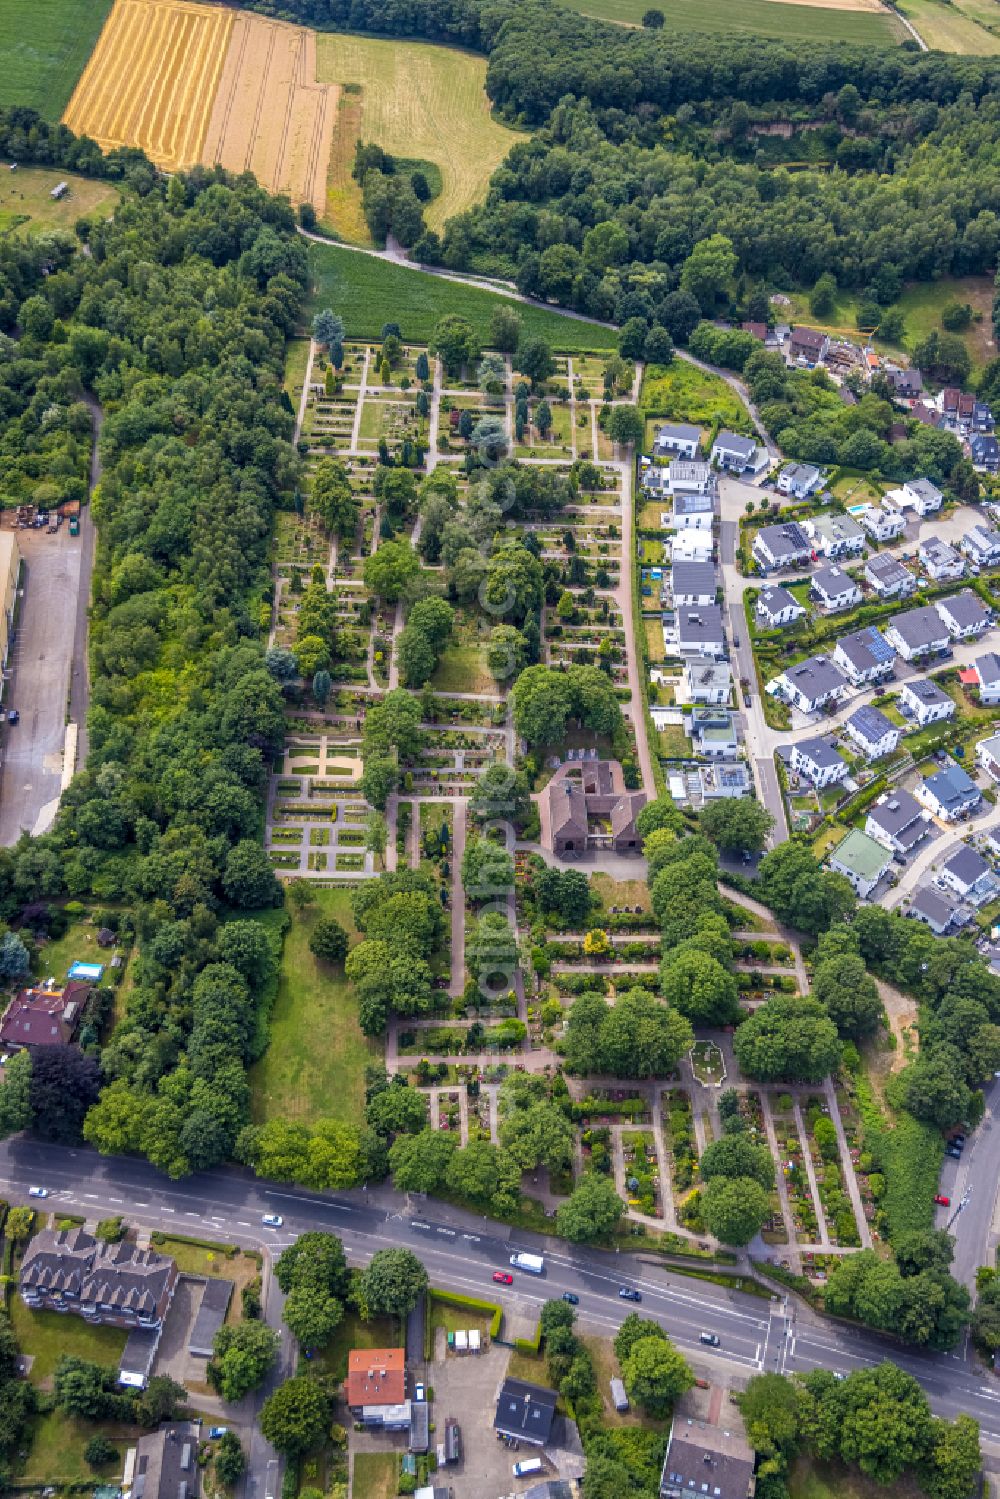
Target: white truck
533 1263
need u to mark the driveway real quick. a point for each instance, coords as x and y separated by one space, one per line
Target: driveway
39 681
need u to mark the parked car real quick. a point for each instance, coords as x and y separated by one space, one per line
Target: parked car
502 1278
419 1392
272 1220
215 1432
627 1293
38 1191
955 1151
710 1338
573 1300
13 716
942 1201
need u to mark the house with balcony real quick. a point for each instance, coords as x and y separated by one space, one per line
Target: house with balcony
874 734
918 632
818 761
937 909
984 451
691 476
964 614
676 441
925 702
713 733
117 1285
864 656
835 536
986 669
834 590
916 494
966 874
981 544
882 525
889 578
693 583
988 756
898 822
700 630
707 683
941 561
692 511
777 607
807 345
733 453
811 685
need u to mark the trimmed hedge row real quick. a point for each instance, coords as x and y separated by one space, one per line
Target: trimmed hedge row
452 1298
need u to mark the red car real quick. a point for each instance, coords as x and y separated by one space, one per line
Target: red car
942 1202
502 1278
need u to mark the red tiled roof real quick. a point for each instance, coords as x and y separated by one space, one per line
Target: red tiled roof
376 1376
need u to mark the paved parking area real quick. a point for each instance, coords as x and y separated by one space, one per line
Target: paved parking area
38 679
466 1387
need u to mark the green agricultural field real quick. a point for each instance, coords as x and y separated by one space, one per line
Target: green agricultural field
682 392
368 292
418 101
971 26
314 1066
787 22
43 47
26 203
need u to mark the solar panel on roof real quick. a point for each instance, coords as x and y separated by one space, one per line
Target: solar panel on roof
878 645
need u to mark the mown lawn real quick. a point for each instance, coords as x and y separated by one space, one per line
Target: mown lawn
56 1454
759 18
43 47
26 202
462 668
314 1065
368 292
376 1475
46 1336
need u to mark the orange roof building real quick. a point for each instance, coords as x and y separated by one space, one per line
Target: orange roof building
376 1376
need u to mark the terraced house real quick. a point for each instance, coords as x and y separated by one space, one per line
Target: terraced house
120 1285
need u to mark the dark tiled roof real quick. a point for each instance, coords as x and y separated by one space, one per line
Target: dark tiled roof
525 1409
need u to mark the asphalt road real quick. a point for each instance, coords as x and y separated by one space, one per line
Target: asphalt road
461 1251
976 1178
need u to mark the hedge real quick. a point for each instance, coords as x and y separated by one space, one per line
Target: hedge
229 1250
530 1345
452 1298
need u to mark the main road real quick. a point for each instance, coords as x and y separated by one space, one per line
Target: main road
461 1251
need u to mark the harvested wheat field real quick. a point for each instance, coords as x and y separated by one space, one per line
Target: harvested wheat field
417 101
152 78
271 117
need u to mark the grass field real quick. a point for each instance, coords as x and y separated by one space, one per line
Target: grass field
788 22
44 45
369 292
46 1336
376 1475
314 1065
682 392
27 205
963 26
815 1480
415 100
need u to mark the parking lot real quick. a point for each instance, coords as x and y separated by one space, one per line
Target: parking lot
38 681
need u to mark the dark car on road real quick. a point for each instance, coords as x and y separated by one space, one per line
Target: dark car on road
628 1294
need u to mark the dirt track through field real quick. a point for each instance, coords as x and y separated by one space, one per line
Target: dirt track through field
152 78
270 116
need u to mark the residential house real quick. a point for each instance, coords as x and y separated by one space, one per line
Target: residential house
937 908
889 578
376 1388
782 545
713 733
897 821
724 781
861 860
982 418
691 545
981 544
926 415
118 1285
43 1016
808 344
924 700
966 410
800 480
688 476
984 450
163 1464
864 656
706 1460
525 1411
964 614
817 759
700 631
950 794
834 590
676 442
835 536
777 607
708 683
948 400
759 330
579 793
693 583
812 684
882 525
941 560
987 672
917 494
873 733
733 452
918 632
988 755
966 874
695 511
906 384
